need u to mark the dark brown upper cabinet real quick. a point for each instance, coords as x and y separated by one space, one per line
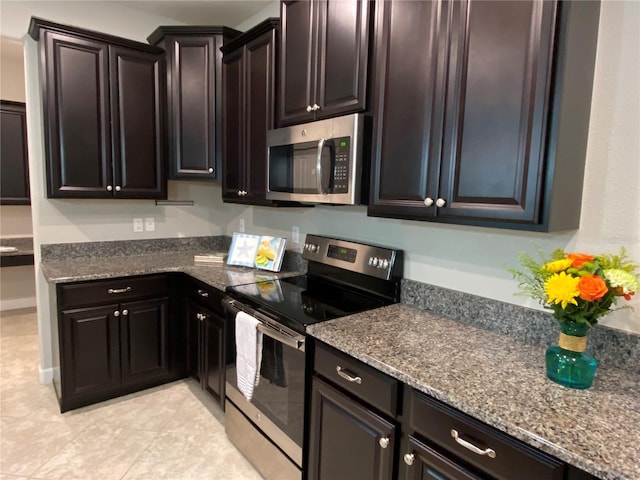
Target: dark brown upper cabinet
103 114
482 111
248 74
324 53
14 159
194 98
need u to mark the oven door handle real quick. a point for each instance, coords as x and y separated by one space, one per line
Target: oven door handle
297 343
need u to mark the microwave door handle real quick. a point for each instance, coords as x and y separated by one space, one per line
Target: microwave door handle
328 188
319 164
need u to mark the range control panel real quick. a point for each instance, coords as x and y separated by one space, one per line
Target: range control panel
372 260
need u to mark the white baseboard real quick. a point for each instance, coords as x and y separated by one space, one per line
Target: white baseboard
16 303
48 374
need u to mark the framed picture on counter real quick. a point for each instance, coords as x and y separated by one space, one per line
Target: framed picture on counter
257 251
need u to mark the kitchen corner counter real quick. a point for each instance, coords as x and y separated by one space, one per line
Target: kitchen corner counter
501 382
219 276
19 252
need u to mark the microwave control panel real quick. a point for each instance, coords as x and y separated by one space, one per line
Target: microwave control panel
341 165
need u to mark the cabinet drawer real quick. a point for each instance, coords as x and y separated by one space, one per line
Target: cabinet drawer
367 383
111 291
511 458
205 295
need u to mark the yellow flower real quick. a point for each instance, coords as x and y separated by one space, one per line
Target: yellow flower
562 289
558 265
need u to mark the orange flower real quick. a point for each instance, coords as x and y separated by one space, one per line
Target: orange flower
579 259
592 287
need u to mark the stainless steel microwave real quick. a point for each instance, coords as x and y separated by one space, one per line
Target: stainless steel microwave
317 162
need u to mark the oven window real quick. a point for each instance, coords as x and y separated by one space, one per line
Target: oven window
279 394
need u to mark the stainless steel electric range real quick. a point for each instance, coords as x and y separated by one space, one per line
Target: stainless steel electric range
343 277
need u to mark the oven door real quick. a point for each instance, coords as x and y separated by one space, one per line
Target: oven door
277 404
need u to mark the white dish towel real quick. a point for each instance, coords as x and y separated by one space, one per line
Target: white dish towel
248 353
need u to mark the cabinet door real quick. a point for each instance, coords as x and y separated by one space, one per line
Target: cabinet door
14 189
137 90
76 111
342 58
347 438
233 126
145 343
493 148
421 462
259 113
297 61
90 349
194 339
192 117
213 355
408 109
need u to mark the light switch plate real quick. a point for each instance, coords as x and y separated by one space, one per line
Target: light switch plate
149 224
138 226
295 234
241 225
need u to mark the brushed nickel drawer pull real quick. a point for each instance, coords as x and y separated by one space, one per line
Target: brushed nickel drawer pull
203 293
489 452
347 375
119 290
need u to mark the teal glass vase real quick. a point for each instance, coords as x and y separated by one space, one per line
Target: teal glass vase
567 363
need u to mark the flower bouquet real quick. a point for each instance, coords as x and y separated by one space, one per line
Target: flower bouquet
579 289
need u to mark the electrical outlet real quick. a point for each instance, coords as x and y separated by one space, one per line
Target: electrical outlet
138 226
295 235
149 224
241 225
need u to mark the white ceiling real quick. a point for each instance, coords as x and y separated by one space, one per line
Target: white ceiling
200 12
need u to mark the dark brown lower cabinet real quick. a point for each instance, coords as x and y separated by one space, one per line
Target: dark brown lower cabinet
441 443
90 351
426 463
349 441
366 425
206 349
114 337
144 340
204 317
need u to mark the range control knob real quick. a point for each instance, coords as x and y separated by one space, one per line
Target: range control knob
384 264
310 247
373 261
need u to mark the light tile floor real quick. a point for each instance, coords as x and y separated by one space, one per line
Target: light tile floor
173 431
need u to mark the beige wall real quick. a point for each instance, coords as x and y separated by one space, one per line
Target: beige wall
11 70
17 284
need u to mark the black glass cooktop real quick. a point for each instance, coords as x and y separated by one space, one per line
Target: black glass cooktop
300 301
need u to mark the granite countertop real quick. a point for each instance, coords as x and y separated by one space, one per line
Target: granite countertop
501 382
219 276
19 251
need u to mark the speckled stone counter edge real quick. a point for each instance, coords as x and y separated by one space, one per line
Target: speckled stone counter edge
292 261
610 346
119 248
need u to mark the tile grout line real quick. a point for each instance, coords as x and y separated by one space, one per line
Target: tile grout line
157 434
